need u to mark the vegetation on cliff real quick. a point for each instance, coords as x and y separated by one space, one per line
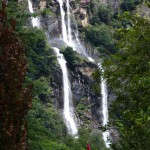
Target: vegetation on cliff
26 57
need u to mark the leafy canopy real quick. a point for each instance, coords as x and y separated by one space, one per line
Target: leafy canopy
128 75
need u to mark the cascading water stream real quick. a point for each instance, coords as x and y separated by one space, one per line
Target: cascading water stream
106 134
69 22
35 21
63 23
68 111
67 30
75 44
68 108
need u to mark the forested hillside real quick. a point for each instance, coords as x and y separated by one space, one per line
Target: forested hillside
74 75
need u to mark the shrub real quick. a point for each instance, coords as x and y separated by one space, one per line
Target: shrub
129 5
104 14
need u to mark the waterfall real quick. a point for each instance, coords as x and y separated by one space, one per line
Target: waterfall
106 134
77 46
69 22
35 21
71 41
68 111
63 23
75 43
66 28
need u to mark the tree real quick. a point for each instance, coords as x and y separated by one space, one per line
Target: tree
105 14
128 75
101 37
129 5
70 56
96 140
15 99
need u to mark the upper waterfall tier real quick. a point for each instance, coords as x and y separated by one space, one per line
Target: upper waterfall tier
71 40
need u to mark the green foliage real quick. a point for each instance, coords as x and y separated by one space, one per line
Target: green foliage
46 127
42 89
128 75
101 37
129 5
83 109
147 3
97 80
18 12
103 15
47 11
96 140
93 137
40 56
45 144
71 57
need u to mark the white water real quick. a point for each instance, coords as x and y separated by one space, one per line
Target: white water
35 21
106 134
63 23
69 22
66 27
71 41
75 44
68 107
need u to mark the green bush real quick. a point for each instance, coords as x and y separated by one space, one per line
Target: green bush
96 139
71 57
130 82
104 14
93 137
44 126
18 12
40 56
129 5
100 36
100 13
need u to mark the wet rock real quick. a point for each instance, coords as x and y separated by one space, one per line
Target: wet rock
82 81
51 24
57 85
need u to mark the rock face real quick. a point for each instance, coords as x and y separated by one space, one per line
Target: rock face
42 5
51 24
86 101
83 17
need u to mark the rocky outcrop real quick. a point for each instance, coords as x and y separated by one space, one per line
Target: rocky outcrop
87 102
83 16
42 5
51 24
57 86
